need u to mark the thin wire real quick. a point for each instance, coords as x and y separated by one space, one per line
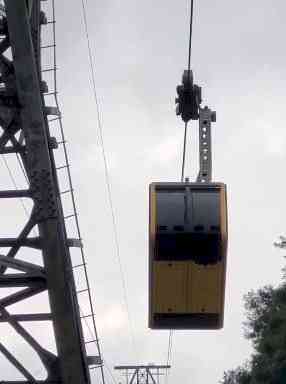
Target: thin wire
110 372
169 347
22 168
14 183
72 195
169 355
107 178
184 153
191 34
183 162
105 364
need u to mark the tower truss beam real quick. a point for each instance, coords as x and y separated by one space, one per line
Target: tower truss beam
25 132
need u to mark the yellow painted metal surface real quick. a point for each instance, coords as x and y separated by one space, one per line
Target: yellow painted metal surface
223 216
185 287
204 288
170 287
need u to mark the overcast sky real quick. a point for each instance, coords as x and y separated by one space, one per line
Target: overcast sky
140 50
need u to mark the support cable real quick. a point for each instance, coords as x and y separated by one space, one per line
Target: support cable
107 178
189 68
170 343
191 34
169 355
72 193
184 152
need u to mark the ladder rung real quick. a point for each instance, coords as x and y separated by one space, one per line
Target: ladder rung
91 341
67 191
70 216
50 93
54 111
48 46
95 367
49 69
79 265
75 243
86 316
54 119
82 290
63 166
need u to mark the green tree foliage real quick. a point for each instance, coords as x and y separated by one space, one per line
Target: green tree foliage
241 375
265 326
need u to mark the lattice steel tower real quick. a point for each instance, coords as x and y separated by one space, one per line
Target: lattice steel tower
143 374
25 121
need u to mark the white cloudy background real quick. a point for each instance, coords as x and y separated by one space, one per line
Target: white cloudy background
140 52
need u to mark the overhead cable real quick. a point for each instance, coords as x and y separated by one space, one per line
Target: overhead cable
189 68
107 177
183 161
191 34
169 354
83 259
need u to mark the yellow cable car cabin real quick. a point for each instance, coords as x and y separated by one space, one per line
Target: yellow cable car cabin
187 257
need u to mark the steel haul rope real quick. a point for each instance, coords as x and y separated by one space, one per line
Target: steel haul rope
189 68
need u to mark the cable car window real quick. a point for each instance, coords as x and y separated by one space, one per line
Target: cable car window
170 208
206 208
188 225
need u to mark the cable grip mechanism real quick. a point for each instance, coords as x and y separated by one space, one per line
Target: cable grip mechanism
189 108
189 98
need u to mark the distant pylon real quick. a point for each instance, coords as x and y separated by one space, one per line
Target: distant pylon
143 374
